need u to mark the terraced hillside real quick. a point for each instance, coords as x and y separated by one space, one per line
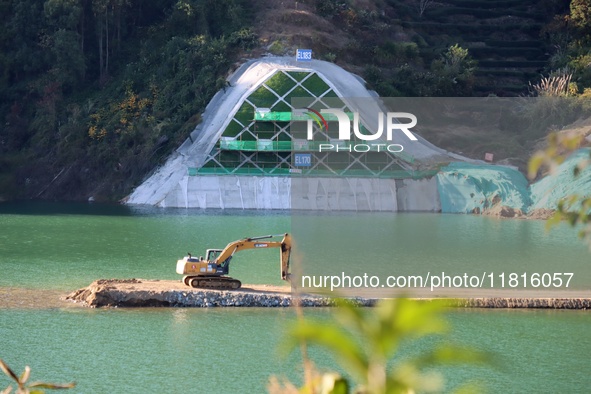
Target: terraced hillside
503 36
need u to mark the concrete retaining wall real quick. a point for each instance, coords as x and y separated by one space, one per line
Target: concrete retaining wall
230 192
418 195
344 194
306 193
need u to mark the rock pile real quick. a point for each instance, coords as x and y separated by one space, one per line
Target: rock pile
532 303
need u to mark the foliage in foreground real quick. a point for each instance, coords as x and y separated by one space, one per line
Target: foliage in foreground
364 342
31 388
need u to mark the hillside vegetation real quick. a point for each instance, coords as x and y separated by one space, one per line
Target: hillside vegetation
95 93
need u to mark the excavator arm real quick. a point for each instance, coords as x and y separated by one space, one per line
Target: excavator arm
255 243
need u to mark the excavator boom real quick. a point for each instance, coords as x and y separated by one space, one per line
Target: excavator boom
210 273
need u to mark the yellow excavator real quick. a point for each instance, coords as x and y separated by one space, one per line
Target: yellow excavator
210 273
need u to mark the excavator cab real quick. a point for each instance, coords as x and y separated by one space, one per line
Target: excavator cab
212 254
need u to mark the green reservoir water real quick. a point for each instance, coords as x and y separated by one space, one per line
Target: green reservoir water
63 247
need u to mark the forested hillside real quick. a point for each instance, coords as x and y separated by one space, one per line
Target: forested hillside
96 93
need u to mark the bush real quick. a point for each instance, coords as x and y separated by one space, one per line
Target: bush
330 8
454 72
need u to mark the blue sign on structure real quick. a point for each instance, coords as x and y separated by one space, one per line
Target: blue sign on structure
303 160
304 55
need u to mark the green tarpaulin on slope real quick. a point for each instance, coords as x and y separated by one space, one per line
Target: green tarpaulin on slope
466 188
548 191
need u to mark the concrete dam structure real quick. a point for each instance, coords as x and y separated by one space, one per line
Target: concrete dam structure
251 151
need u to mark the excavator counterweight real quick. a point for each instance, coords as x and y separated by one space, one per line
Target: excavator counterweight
211 272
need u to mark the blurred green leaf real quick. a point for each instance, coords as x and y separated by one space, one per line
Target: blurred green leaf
399 318
447 354
417 318
333 383
576 171
53 386
6 369
25 375
571 142
340 343
407 378
363 340
350 316
554 220
468 388
534 164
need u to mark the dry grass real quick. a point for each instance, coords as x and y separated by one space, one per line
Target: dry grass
556 85
295 24
581 129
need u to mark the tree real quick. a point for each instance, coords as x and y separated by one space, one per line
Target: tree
68 60
454 72
580 16
65 39
422 6
108 16
27 56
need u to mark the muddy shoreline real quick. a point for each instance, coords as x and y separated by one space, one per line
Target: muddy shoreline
20 298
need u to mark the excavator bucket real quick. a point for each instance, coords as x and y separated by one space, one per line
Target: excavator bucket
285 255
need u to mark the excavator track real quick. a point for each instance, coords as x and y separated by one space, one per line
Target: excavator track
212 282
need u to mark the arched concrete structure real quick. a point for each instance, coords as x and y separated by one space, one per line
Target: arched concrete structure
178 184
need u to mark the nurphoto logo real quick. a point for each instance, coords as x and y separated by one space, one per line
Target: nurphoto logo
390 119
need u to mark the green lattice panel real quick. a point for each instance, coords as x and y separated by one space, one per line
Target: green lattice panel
298 75
316 85
330 93
280 83
233 129
245 113
377 159
281 107
297 92
284 137
265 133
248 136
262 97
230 159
